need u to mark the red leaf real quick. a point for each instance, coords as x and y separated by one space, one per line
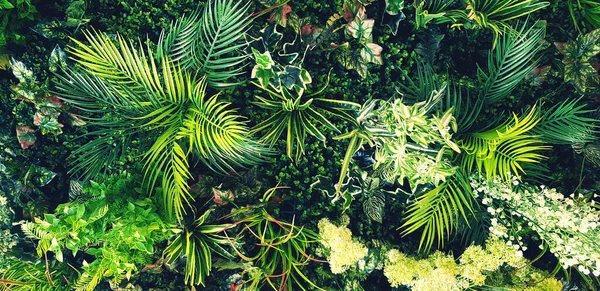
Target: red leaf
306 30
279 15
222 197
55 101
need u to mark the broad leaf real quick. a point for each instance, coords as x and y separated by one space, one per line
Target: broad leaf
279 14
58 59
361 29
26 136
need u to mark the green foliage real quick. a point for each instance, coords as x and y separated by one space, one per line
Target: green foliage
115 226
294 112
502 151
161 99
209 42
23 275
280 250
437 211
477 267
577 60
196 243
566 123
404 137
140 18
512 59
48 108
586 12
63 29
359 49
13 16
489 14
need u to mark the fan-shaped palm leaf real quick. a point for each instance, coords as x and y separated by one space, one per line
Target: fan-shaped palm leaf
210 41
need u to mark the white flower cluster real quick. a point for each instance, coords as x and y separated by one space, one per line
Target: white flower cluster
570 226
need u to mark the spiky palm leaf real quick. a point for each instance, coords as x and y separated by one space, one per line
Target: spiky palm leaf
197 243
298 117
511 60
437 212
495 14
566 123
163 102
503 149
210 41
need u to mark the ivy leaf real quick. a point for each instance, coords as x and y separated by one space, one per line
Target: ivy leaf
271 37
393 21
361 29
58 59
394 7
21 72
289 53
279 15
371 53
263 70
26 136
293 76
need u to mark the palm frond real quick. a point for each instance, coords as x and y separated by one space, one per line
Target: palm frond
219 139
496 13
210 42
566 123
160 103
437 211
502 151
120 64
511 60
420 88
27 276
